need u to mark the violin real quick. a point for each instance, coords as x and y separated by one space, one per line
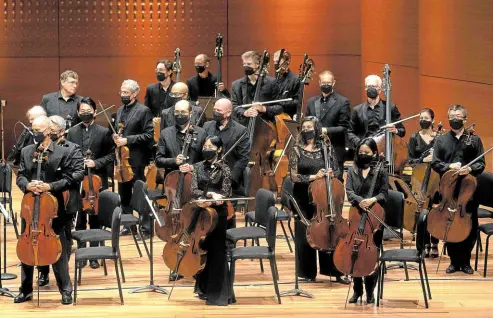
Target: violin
357 254
91 186
123 171
327 226
39 245
262 134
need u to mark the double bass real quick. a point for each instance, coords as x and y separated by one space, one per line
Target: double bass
219 52
91 186
327 226
305 75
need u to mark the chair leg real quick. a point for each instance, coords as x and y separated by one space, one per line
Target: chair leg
261 263
384 271
286 237
232 274
273 269
405 271
121 264
145 244
379 282
75 284
290 229
478 241
135 241
423 285
118 281
486 255
104 268
426 278
80 275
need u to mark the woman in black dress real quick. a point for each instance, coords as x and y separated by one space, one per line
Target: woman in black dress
421 151
212 283
358 183
306 164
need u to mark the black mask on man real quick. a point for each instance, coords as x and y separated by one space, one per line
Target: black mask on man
218 117
125 100
86 118
160 76
200 68
248 70
372 92
54 137
456 123
38 136
181 120
326 89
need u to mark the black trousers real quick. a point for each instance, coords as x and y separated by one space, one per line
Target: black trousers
460 253
370 280
125 190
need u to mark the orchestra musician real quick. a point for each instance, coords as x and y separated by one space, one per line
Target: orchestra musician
451 151
64 102
204 84
137 135
359 180
213 284
288 83
421 151
306 164
157 96
333 111
97 139
367 118
243 92
59 173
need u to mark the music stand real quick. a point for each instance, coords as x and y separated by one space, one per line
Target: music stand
151 287
5 276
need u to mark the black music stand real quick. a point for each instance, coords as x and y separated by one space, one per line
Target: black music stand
151 287
6 197
5 276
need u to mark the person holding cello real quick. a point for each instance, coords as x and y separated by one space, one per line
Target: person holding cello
213 178
420 149
358 184
58 175
306 164
452 150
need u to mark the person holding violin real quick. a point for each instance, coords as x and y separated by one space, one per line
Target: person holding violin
138 135
97 139
453 150
204 84
306 164
358 184
213 178
367 118
421 151
288 83
59 173
157 94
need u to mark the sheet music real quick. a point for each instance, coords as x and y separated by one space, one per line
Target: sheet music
158 218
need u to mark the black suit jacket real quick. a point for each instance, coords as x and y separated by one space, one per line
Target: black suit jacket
168 117
333 115
76 160
168 148
154 101
193 87
289 87
139 132
268 92
358 124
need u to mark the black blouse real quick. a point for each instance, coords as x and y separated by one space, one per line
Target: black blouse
417 147
357 186
221 183
303 163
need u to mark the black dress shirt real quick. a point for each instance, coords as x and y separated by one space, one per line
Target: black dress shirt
357 187
55 104
157 98
418 148
289 87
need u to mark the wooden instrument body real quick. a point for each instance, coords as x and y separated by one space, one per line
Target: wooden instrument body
123 171
399 151
412 208
282 138
182 252
324 232
156 124
91 186
448 220
425 183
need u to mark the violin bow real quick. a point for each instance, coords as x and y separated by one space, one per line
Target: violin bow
473 161
98 113
399 121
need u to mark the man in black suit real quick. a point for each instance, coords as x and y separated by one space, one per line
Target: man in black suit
204 84
157 94
243 92
59 173
288 83
367 118
179 92
138 136
64 102
96 139
332 110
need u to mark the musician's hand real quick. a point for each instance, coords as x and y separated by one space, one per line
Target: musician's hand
121 141
89 163
32 187
221 87
43 187
216 196
465 171
250 112
455 166
260 108
320 174
155 120
324 130
180 159
204 204
186 168
428 158
392 129
366 203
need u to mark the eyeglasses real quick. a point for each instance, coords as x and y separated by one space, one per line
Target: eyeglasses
73 83
183 112
209 148
455 117
124 93
176 94
373 86
161 70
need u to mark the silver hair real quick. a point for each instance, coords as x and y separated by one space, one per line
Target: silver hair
59 121
373 77
133 85
36 108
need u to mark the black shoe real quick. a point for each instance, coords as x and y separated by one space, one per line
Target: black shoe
370 299
434 251
309 280
451 269
126 231
203 296
174 276
66 298
94 264
23 298
468 269
43 280
342 280
354 298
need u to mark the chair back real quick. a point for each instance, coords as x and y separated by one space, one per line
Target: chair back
108 201
138 201
246 181
115 228
270 230
5 178
286 188
421 231
483 191
264 199
394 209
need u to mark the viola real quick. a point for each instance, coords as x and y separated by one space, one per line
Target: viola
123 171
91 186
38 245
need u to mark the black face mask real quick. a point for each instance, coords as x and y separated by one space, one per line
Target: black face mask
363 160
54 137
125 100
38 136
424 124
209 154
372 92
181 120
218 117
456 123
248 70
86 118
326 89
307 135
160 76
200 68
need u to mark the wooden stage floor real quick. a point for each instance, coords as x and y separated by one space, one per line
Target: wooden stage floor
453 295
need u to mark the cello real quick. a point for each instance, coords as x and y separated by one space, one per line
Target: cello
91 186
327 226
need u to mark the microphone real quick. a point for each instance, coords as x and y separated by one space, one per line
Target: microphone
27 128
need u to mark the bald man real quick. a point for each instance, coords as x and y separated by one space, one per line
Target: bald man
179 92
204 83
157 94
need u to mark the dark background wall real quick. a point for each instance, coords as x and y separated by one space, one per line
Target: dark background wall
440 52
